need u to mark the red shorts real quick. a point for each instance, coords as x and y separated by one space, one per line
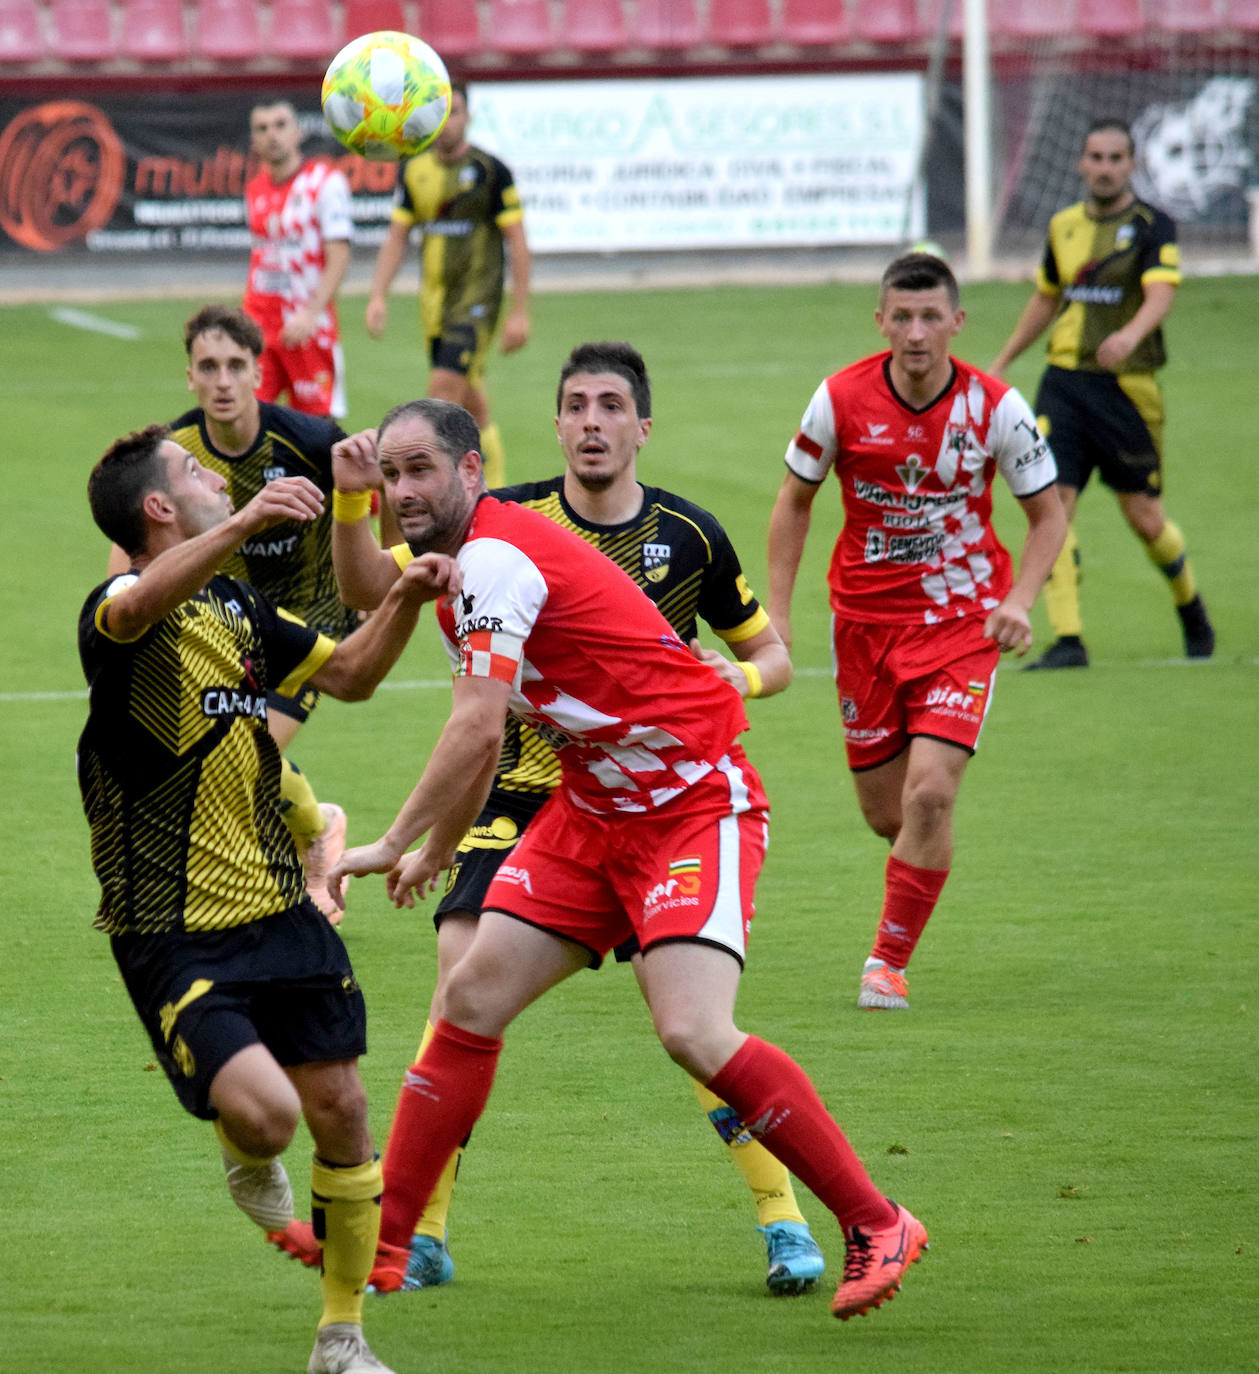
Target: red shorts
312 374
686 872
897 681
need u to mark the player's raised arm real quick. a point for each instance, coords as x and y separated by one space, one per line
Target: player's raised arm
364 570
176 567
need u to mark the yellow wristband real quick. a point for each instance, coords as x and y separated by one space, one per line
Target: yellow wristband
350 506
755 685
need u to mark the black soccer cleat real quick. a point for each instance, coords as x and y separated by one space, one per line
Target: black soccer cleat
1068 651
1199 632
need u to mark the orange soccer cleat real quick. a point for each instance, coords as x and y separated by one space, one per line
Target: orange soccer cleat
874 1262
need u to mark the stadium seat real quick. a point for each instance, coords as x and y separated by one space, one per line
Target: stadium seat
886 21
82 30
302 29
739 23
153 31
370 16
520 27
814 23
593 25
227 30
450 26
1110 18
1183 16
1242 15
668 24
1032 19
21 31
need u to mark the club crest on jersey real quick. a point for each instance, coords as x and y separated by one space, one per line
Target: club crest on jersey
656 561
911 472
1124 236
274 474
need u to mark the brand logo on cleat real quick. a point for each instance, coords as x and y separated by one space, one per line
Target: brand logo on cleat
899 1256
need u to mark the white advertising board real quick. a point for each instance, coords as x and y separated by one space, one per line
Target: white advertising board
729 162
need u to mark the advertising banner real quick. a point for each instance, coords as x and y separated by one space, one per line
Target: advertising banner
601 165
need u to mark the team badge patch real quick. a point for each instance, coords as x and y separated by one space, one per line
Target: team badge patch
656 561
848 710
272 474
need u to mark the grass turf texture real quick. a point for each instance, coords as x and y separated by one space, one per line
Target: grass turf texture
1070 1106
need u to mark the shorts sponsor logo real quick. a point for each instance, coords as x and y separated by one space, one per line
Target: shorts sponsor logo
977 688
519 877
950 701
866 736
680 889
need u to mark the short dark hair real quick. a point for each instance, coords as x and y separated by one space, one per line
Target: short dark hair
269 102
458 86
1112 124
455 429
128 470
920 272
238 327
610 356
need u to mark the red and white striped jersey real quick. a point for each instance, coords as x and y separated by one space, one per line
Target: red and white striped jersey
290 223
593 666
917 544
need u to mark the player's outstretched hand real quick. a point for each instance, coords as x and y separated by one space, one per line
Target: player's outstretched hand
432 576
1010 626
416 875
358 863
354 464
287 498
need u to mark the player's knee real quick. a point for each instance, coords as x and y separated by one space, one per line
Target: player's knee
336 1112
692 1042
884 820
929 800
262 1126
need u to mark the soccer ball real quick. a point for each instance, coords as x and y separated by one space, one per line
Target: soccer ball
386 96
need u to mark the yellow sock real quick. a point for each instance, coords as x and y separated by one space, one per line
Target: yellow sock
766 1176
494 455
1062 589
433 1220
300 809
1167 553
345 1209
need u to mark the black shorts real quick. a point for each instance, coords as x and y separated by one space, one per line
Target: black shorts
500 825
462 347
284 981
1096 420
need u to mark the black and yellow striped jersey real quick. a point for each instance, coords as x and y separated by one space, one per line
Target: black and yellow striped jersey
679 554
1099 267
462 209
179 777
291 564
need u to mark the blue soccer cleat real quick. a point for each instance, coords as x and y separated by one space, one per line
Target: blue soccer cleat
795 1261
430 1264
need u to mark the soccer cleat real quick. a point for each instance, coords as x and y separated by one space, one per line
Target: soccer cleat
341 1349
389 1272
322 852
795 1261
261 1191
1199 632
298 1239
1068 651
430 1264
883 988
874 1262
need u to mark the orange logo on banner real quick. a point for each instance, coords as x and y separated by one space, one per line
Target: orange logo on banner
61 174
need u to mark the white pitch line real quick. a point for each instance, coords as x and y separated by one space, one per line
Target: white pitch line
96 324
424 684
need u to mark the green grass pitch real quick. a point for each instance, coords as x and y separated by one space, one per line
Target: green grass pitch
1071 1106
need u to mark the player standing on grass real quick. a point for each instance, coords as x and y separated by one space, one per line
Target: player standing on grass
250 443
1107 281
657 831
921 589
299 219
245 990
683 559
468 208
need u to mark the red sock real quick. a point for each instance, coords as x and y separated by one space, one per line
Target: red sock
442 1097
909 897
781 1108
